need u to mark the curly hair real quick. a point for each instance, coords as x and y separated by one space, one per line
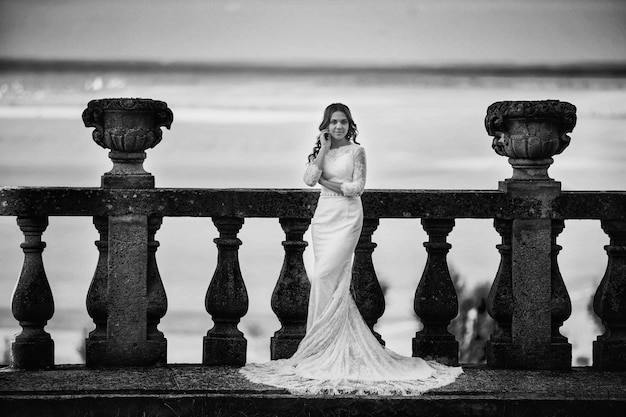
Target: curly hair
328 112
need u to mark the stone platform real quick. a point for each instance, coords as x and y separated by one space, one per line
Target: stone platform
195 390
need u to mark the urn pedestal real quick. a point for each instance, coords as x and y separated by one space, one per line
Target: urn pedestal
526 299
126 299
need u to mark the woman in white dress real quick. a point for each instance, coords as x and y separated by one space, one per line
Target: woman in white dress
339 354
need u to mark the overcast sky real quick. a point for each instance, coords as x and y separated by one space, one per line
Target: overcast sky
320 32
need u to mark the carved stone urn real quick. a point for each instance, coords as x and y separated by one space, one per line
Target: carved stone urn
127 126
530 133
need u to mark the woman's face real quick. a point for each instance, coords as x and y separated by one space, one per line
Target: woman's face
338 126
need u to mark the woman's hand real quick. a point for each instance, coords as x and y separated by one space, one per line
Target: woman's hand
324 140
324 147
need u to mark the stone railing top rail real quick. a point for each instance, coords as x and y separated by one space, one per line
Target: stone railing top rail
300 203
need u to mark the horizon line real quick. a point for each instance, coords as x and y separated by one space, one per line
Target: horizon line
587 69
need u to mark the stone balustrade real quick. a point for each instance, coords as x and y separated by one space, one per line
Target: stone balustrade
126 299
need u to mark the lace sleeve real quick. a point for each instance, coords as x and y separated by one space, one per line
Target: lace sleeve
356 186
312 174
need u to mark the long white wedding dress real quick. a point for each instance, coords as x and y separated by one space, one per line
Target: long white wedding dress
339 354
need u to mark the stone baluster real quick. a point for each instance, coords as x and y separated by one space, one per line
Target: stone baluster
226 299
436 301
560 303
32 305
609 303
157 298
500 300
97 294
134 295
290 298
365 288
530 133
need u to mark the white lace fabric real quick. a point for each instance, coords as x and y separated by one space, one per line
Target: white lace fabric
346 165
312 174
339 354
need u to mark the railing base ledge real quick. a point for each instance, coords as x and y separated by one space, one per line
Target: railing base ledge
557 356
29 355
100 353
196 390
444 351
283 346
224 351
609 355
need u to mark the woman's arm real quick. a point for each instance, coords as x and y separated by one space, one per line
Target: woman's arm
312 174
331 185
357 185
315 168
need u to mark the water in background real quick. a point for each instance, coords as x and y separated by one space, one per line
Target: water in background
255 131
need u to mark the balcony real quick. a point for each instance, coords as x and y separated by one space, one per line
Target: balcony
528 362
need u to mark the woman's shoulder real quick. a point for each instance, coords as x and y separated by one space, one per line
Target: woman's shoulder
357 149
354 146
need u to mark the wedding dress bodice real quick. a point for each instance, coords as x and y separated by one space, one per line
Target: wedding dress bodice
345 165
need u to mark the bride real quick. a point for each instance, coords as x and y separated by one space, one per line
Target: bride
339 354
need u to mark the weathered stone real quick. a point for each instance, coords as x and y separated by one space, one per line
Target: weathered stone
531 327
364 287
609 350
127 126
32 304
226 299
135 300
500 300
273 203
436 302
530 133
157 298
127 302
560 303
194 390
501 351
532 278
98 289
290 298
